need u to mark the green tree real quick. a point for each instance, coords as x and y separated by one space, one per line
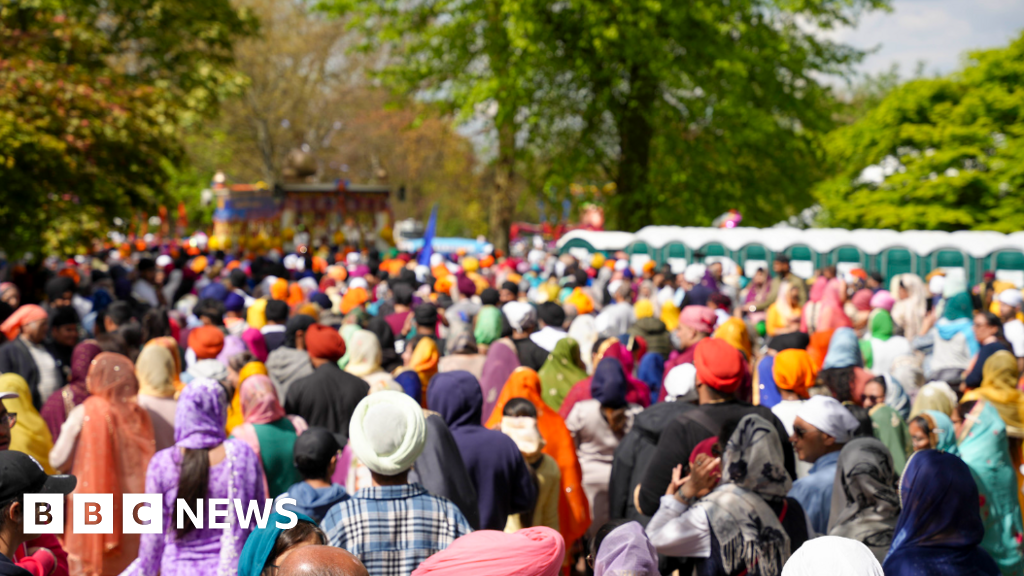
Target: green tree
944 153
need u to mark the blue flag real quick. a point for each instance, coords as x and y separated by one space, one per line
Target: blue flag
428 239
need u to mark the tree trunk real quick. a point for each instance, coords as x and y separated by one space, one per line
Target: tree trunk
633 202
503 203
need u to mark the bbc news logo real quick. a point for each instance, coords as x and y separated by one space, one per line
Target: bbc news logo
144 513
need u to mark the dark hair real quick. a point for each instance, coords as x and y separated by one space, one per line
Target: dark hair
277 311
602 533
131 334
720 300
519 407
120 313
865 428
994 321
964 408
111 342
726 431
837 380
193 483
311 468
292 537
238 361
155 324
6 506
212 309
921 422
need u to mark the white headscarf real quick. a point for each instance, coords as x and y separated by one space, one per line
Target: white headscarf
518 314
387 432
829 416
832 555
681 383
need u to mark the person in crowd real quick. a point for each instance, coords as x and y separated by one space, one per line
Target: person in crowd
936 395
651 372
61 340
519 422
290 362
315 455
793 373
463 352
402 296
390 360
833 555
274 330
616 319
954 340
108 453
982 445
57 407
887 423
880 347
780 266
558 444
551 317
22 553
393 526
821 428
267 548
522 317
421 357
652 330
502 360
999 388
843 372
695 324
365 357
765 392
598 425
24 354
202 464
321 561
269 432
626 550
155 371
31 435
488 321
348 328
988 331
10 295
939 530
500 475
536 551
784 314
911 306
1013 329
933 430
742 522
720 370
327 397
563 369
865 496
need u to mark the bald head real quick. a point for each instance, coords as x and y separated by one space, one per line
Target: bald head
321 561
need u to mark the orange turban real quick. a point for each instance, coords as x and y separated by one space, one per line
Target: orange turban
353 298
487 261
24 315
583 303
295 295
324 342
279 289
206 342
443 285
794 370
719 365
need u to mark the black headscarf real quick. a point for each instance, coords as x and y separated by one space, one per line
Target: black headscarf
797 340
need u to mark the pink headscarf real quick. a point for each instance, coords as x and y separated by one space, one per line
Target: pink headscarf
25 314
832 315
700 318
537 551
818 289
883 299
253 339
862 299
259 401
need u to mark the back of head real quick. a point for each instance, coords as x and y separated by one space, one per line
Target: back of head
313 451
537 551
626 550
277 311
402 293
321 561
120 313
520 408
456 396
210 308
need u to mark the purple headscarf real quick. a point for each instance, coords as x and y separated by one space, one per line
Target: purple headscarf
201 415
253 338
626 550
54 410
232 345
502 360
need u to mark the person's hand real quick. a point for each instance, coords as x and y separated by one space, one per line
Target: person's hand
704 476
677 481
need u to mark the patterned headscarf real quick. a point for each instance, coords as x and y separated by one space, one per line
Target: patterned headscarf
259 400
865 496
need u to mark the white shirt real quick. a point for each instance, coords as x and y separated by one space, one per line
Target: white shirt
547 337
62 455
273 328
679 530
49 379
1014 332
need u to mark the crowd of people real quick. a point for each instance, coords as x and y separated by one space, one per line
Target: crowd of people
523 414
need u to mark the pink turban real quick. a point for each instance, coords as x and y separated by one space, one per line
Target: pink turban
883 299
537 551
700 318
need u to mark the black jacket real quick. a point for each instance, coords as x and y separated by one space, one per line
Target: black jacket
15 357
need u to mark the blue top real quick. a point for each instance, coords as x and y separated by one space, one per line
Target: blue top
768 392
814 491
314 502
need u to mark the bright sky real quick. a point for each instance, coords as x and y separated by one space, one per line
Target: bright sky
938 32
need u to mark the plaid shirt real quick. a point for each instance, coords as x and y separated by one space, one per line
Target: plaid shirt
394 528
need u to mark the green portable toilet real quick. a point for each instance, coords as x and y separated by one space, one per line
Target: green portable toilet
676 255
577 243
947 259
713 249
757 256
802 261
897 261
1009 266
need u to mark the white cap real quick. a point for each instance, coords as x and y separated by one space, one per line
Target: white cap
1011 297
829 416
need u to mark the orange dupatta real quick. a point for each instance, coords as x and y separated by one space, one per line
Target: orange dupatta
425 357
573 510
113 453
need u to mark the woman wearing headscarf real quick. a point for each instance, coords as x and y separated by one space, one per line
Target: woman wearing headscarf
784 314
423 361
57 407
573 511
462 352
933 430
389 358
269 432
529 552
365 356
111 457
583 330
598 425
879 347
890 428
560 372
832 316
940 530
911 304
744 524
203 463
935 395
154 370
172 346
626 550
487 327
983 447
843 371
30 435
954 340
502 360
266 547
865 498
346 331
834 556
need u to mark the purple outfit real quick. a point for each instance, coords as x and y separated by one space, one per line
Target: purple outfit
199 423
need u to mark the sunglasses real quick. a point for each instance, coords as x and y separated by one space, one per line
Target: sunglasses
800 432
11 418
873 398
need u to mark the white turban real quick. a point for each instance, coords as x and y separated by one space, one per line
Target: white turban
681 383
436 259
936 285
694 273
387 432
829 416
519 314
1011 297
833 555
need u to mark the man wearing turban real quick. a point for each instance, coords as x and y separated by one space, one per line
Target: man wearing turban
387 432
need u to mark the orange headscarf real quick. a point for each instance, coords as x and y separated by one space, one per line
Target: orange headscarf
573 510
424 363
353 298
794 370
279 289
295 295
113 453
24 315
818 347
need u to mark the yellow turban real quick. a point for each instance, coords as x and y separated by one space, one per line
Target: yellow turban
643 309
256 315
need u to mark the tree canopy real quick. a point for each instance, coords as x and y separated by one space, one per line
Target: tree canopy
942 153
